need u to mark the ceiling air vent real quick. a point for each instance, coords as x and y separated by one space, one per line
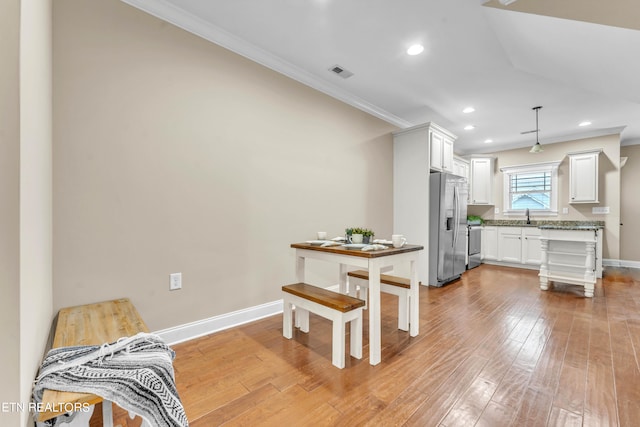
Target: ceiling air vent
345 74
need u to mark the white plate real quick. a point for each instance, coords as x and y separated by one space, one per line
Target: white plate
317 242
354 245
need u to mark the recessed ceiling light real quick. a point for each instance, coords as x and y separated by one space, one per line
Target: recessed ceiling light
416 49
488 141
469 127
584 124
469 110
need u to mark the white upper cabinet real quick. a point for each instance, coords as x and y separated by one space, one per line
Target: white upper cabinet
583 176
481 181
436 141
447 155
440 149
461 167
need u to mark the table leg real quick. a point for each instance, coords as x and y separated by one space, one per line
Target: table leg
414 300
375 343
300 269
302 316
342 280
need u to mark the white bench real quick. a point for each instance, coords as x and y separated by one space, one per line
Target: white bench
398 286
334 306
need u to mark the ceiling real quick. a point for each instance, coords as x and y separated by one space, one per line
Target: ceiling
578 60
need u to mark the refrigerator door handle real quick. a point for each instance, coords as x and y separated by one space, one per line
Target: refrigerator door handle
456 214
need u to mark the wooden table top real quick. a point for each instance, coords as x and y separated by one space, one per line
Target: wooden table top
357 252
91 324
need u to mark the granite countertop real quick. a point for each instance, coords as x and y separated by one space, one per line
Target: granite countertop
549 225
571 227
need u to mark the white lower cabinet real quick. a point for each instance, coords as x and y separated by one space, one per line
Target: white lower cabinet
489 244
512 245
531 250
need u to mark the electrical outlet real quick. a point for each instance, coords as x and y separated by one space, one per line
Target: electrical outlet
175 281
565 211
496 210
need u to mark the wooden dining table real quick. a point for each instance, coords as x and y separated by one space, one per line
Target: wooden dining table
375 262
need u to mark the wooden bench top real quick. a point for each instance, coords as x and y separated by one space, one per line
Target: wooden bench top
334 300
401 282
91 324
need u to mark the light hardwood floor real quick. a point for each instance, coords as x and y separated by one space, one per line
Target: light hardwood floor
493 350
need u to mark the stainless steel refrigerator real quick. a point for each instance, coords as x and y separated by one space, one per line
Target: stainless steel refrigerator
447 227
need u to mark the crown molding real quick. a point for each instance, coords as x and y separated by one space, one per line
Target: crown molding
550 140
584 135
168 12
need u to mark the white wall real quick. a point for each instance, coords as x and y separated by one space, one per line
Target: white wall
9 208
35 188
629 182
25 187
175 155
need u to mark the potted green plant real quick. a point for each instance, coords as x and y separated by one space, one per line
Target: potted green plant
367 234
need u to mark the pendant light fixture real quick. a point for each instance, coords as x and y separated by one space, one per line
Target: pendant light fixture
537 148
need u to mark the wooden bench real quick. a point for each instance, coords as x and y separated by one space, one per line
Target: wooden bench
334 306
398 286
92 324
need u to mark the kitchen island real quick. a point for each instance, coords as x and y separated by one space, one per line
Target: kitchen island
569 255
560 250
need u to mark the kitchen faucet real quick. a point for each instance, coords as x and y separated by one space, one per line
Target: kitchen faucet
526 212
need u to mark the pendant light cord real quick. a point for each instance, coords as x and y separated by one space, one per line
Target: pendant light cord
537 127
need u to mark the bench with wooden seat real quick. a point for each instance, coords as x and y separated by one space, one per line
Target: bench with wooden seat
92 324
338 308
398 286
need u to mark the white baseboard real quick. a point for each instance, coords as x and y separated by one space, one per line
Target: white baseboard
620 263
513 265
200 328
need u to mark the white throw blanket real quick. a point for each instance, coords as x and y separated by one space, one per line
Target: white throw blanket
136 373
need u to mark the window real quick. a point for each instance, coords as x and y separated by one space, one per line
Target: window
530 190
533 187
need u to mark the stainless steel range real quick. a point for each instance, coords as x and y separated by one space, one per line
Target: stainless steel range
474 246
